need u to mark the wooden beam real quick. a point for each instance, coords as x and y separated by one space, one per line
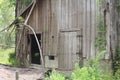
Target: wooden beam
69 30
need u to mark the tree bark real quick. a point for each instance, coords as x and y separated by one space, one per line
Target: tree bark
20 51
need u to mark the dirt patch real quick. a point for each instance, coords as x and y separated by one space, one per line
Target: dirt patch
31 73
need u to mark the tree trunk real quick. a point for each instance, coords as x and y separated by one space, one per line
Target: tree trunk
20 35
20 6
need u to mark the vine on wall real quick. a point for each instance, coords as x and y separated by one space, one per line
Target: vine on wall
100 42
101 33
116 61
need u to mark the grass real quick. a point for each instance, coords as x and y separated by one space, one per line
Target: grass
5 56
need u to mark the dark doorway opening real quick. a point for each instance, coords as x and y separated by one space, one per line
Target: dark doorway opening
35 54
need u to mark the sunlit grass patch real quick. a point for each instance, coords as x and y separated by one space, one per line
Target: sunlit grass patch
5 55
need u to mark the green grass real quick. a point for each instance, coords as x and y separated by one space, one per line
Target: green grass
5 56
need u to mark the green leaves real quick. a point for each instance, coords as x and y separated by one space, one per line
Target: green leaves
100 42
7 14
80 74
116 63
27 2
12 2
91 71
55 76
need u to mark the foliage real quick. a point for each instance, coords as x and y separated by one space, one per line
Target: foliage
4 55
92 71
6 17
13 60
6 13
101 33
99 3
27 2
117 75
12 2
87 72
116 64
7 39
55 76
7 57
84 73
100 42
117 4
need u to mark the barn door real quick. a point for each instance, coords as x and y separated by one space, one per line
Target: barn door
68 50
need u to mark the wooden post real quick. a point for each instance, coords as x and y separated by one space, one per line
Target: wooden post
16 75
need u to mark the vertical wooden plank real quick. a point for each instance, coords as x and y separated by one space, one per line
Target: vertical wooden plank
67 14
66 54
70 14
59 51
64 15
88 29
81 27
59 14
59 36
48 25
74 42
93 12
70 50
35 25
53 39
96 23
63 45
42 10
56 34
84 30
36 17
43 28
59 10
70 44
75 14
51 27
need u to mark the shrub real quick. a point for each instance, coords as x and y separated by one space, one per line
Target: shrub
117 75
12 59
55 76
91 71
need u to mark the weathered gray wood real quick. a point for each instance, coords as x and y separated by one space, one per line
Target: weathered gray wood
68 46
17 76
69 29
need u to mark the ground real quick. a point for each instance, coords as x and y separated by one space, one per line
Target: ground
31 73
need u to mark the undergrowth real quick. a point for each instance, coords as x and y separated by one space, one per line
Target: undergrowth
7 57
91 71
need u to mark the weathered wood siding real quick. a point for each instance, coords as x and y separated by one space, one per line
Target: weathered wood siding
78 26
43 20
69 29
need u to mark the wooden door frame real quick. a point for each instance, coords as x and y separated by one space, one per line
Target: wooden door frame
29 48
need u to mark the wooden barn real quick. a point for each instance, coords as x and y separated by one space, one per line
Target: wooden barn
66 31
